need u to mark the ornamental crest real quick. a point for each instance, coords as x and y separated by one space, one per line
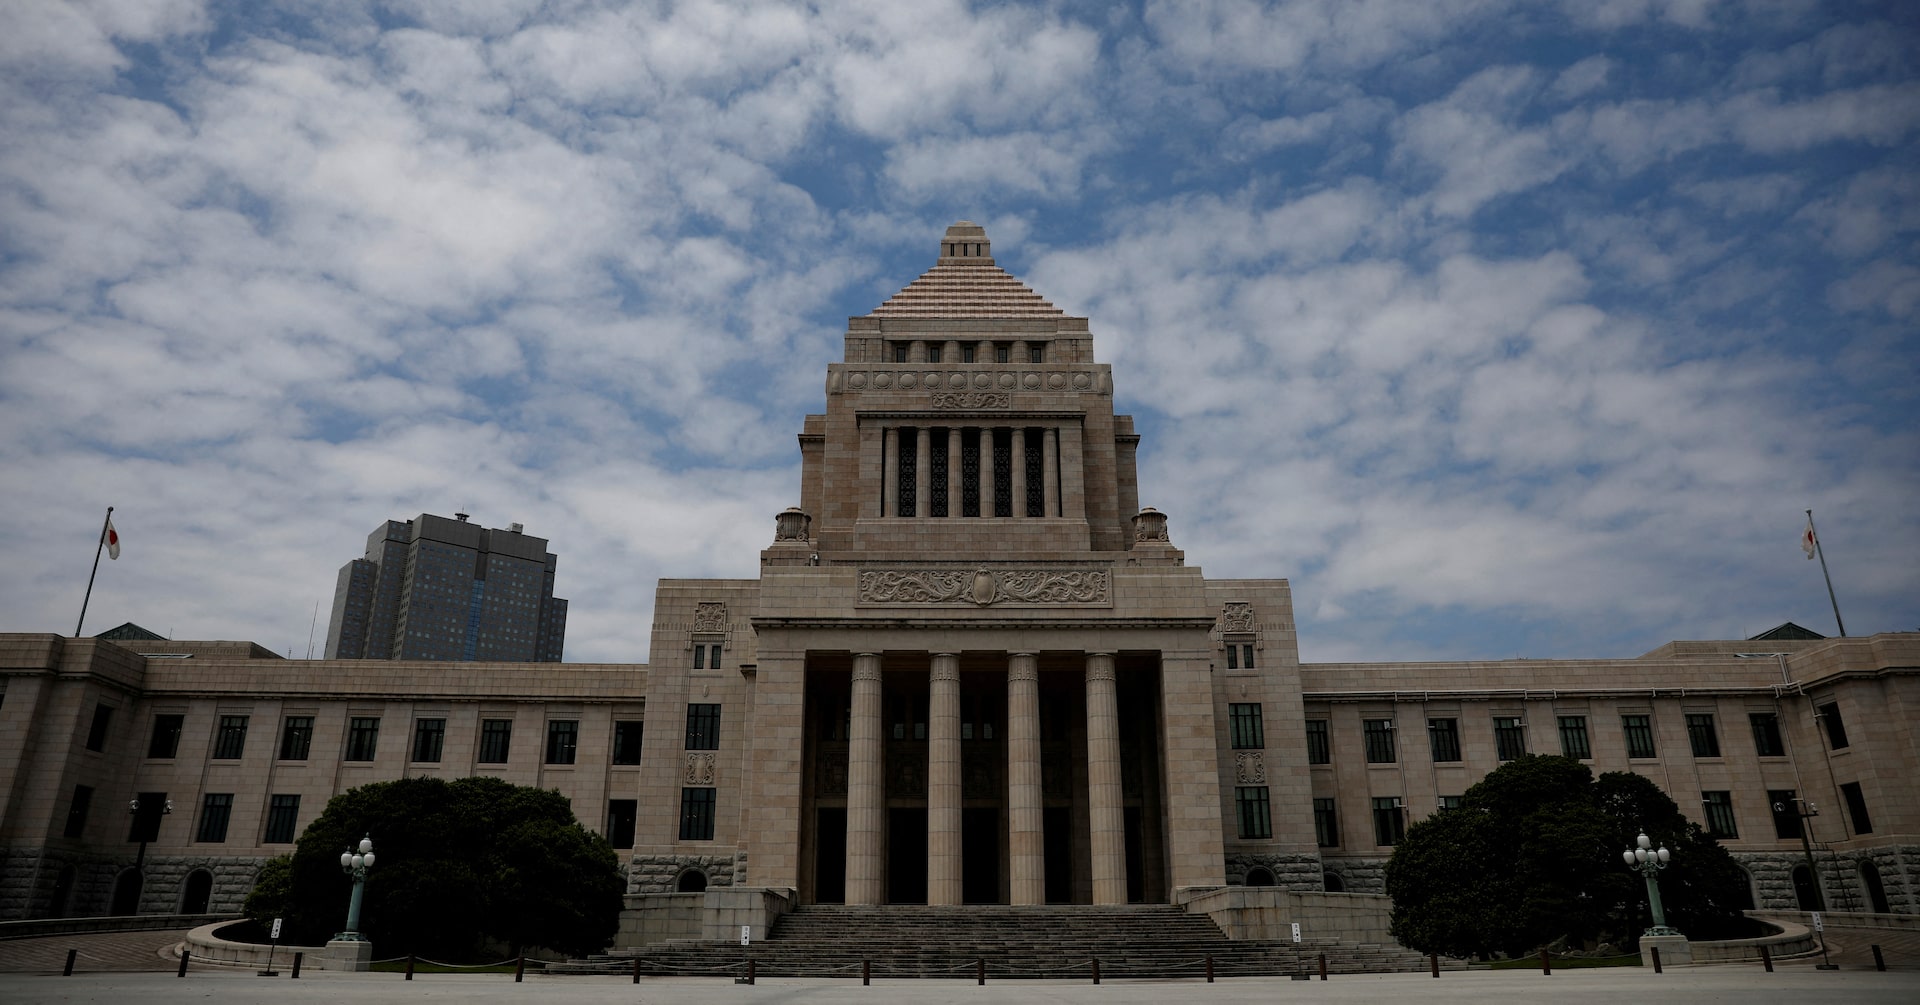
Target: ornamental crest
1250 767
986 587
972 399
1236 617
711 617
700 768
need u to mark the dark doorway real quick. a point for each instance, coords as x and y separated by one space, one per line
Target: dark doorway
1333 883
907 856
830 855
1805 894
1259 876
126 892
1876 891
198 892
1058 821
692 881
1136 866
980 855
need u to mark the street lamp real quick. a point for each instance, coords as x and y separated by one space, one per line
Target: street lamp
355 863
1648 861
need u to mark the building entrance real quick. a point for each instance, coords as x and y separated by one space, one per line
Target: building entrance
907 855
980 832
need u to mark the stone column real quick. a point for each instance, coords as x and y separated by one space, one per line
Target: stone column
943 781
986 471
865 811
1050 469
1019 471
922 502
953 470
1026 844
890 471
1105 819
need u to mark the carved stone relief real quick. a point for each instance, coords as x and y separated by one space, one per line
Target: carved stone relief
1236 617
700 768
710 617
1250 768
986 587
971 399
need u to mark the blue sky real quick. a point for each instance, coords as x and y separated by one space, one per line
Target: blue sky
1499 328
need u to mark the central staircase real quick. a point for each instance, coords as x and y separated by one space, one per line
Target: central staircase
1021 943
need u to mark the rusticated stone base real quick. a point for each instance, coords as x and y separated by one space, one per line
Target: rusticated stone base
1290 872
1360 875
37 883
1841 881
662 873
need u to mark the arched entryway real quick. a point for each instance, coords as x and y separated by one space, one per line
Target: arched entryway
126 892
1259 875
1876 891
1805 894
1333 882
692 881
198 890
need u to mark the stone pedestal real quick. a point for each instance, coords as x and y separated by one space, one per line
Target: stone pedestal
355 955
1674 950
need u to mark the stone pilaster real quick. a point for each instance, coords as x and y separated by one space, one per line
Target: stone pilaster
1105 818
943 781
1026 845
864 810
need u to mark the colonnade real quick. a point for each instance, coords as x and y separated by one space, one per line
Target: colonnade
955 471
866 803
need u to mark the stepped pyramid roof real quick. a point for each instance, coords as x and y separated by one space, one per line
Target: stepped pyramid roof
964 283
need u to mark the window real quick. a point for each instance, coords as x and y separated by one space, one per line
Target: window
1319 751
696 814
621 814
1857 807
1786 813
1719 807
1450 803
563 740
1250 803
1766 734
213 817
1379 734
1389 824
1573 737
1639 731
1247 731
1326 823
1002 353
283 814
97 733
1036 354
429 736
1239 655
363 737
706 656
77 811
966 354
626 741
1706 743
1509 736
1443 735
933 354
166 736
296 736
899 352
496 739
1829 715
703 727
231 740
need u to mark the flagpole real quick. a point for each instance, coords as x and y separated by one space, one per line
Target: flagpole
102 546
1817 550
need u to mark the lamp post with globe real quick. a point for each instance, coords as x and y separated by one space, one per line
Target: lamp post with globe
355 862
1648 861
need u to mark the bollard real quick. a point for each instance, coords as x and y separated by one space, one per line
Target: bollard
185 955
409 966
980 971
519 968
1323 966
636 970
866 973
297 957
1433 960
749 971
1766 959
1209 968
1879 961
71 953
1096 970
1656 959
1546 965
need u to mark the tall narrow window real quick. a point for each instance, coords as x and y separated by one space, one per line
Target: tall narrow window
563 740
496 740
627 734
937 471
231 741
296 737
907 463
1319 750
1701 735
1786 813
1379 736
1766 734
1719 810
102 721
1240 656
363 737
1036 500
1639 734
1829 716
1444 736
1857 807
703 726
1003 472
1573 737
283 817
166 736
899 352
1509 736
1248 733
214 811
933 354
1253 811
429 736
1389 824
696 814
970 472
1326 823
77 811
1002 352
966 353
621 816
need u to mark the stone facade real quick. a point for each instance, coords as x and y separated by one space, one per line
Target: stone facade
972 668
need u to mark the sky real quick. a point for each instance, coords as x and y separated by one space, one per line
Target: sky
1500 329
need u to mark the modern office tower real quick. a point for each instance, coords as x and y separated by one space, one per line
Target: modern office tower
431 588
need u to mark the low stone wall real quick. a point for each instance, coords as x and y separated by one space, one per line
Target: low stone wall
1791 940
650 918
730 909
1268 913
207 946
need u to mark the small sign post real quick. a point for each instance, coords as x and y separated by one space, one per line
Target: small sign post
1820 929
746 935
1296 931
272 945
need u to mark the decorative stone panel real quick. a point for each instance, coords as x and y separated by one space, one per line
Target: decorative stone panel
1250 767
661 873
710 617
830 769
1236 617
971 399
987 587
907 772
1365 875
701 768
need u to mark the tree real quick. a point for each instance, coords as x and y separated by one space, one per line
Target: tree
1532 855
459 863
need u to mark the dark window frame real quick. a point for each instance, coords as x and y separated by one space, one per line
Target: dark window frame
1389 821
1379 740
1574 740
703 725
1254 812
697 813
1701 735
1786 814
1637 729
77 810
363 738
164 743
1717 807
296 737
1509 737
622 825
1319 742
1326 822
1767 741
563 741
496 741
429 740
283 819
1834 725
1856 801
1443 740
1249 732
627 737
230 738
216 813
101 727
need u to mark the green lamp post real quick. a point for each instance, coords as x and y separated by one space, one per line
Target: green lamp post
355 863
1648 861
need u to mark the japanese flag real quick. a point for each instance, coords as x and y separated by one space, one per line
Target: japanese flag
1807 542
113 540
